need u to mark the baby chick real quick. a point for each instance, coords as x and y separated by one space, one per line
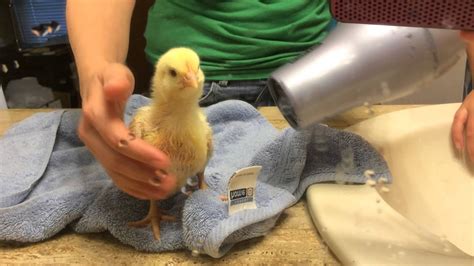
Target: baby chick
175 124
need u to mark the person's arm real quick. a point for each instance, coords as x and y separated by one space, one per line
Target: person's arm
462 129
98 33
468 36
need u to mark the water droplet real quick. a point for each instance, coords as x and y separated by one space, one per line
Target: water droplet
385 89
321 142
347 166
339 175
284 104
368 243
369 110
347 155
195 253
326 248
442 238
447 23
401 253
389 246
385 189
412 51
322 147
370 182
382 180
369 173
347 160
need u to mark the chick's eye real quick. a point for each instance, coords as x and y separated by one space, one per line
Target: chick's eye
173 73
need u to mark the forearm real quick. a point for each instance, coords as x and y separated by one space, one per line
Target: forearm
98 32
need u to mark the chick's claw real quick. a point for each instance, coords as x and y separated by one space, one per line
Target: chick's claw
201 183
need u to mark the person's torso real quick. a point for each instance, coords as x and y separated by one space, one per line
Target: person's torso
237 40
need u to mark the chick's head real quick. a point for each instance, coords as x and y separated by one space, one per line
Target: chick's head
178 75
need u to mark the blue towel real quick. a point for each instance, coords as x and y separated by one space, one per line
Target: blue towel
49 180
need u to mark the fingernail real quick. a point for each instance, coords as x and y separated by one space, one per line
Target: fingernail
161 173
458 146
122 143
155 181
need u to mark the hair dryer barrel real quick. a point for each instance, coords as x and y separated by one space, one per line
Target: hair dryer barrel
358 64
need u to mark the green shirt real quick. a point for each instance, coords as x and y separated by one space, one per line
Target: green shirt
237 40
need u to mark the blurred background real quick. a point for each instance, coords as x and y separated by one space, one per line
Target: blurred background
37 67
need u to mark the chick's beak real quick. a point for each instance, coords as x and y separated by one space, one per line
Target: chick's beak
190 80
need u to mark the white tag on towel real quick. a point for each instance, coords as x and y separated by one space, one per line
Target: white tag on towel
241 189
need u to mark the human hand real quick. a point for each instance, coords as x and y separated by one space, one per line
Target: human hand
467 36
462 129
128 161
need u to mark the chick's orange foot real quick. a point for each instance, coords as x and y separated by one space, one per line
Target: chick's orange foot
202 185
153 218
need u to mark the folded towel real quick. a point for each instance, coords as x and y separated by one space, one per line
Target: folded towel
49 180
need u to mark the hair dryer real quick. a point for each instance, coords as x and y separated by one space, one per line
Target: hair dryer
365 63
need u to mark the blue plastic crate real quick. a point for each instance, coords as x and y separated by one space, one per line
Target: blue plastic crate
30 14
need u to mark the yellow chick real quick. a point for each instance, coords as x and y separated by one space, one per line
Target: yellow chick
175 124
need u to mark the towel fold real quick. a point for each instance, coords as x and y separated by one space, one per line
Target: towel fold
49 180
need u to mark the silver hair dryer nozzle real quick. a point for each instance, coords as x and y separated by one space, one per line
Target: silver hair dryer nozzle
360 64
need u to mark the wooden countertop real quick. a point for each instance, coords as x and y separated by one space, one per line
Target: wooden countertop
294 239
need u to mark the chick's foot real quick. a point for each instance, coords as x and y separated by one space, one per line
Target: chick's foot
153 218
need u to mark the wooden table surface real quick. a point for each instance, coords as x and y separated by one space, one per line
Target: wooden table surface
294 239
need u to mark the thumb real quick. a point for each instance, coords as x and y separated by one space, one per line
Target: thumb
118 82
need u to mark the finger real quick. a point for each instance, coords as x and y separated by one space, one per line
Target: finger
118 83
135 185
103 152
113 160
107 120
125 187
113 131
137 189
118 137
457 128
470 137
